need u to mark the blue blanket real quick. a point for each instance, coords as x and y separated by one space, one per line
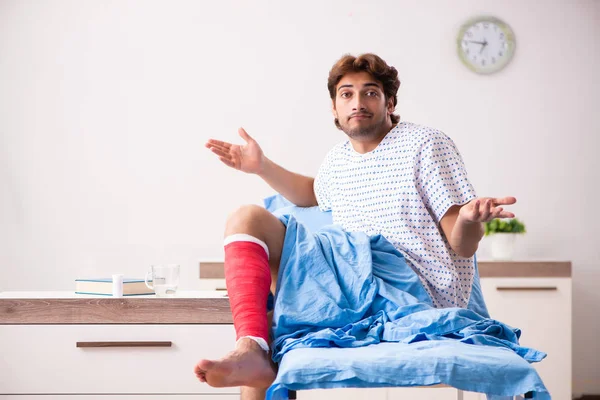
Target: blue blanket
350 312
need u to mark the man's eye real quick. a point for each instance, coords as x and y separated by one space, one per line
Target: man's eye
345 95
373 94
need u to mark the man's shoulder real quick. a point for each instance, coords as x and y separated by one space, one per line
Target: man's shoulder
337 149
416 134
334 153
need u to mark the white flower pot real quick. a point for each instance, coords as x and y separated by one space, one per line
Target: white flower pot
503 245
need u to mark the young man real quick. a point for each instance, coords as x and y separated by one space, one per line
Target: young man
401 180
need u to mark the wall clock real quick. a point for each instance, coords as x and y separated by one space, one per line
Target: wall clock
485 44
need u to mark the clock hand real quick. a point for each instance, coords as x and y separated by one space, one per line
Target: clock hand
474 41
485 43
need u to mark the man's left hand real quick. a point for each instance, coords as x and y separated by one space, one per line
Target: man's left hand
484 209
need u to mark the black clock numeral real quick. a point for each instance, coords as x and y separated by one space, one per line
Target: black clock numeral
467 51
486 25
501 35
493 60
501 53
469 34
483 62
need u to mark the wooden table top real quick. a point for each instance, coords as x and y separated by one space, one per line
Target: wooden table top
188 307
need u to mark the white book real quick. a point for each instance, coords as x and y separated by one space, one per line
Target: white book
103 287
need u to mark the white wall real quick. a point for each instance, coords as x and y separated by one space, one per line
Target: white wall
106 105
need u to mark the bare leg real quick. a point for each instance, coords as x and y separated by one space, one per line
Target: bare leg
248 365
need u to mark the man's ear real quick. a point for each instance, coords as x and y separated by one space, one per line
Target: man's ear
390 106
333 110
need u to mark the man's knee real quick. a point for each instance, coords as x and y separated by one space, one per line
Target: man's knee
247 218
260 223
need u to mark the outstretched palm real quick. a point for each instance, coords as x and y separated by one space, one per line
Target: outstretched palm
248 158
485 209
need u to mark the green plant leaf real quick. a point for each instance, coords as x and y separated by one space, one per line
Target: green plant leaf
504 226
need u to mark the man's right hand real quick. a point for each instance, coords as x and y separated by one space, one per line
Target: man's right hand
248 158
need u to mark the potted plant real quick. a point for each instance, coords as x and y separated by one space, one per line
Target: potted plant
503 233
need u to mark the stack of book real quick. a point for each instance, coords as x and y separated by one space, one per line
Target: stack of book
103 287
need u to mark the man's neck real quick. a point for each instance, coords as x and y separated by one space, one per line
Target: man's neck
365 145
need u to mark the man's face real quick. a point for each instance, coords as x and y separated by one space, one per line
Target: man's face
360 106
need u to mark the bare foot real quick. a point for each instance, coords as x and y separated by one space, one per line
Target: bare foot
247 365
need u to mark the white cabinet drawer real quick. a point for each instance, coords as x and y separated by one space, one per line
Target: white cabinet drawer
40 359
541 308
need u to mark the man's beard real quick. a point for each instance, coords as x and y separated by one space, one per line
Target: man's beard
372 130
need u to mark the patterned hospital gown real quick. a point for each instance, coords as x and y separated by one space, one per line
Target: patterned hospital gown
401 190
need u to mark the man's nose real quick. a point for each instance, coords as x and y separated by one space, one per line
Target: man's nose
358 104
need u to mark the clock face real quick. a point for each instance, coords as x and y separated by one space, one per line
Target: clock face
485 44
